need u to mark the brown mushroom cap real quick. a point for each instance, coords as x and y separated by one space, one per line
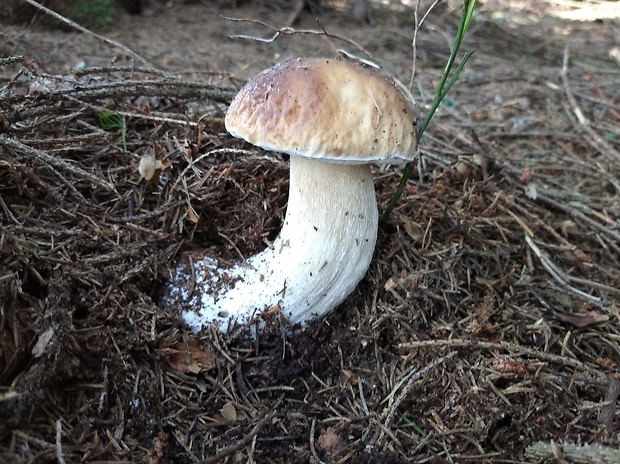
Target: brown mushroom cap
329 109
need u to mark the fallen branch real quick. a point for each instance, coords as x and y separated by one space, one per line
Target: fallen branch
587 454
136 88
57 162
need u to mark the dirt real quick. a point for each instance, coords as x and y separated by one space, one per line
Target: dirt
488 320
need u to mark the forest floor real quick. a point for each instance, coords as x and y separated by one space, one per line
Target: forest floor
487 328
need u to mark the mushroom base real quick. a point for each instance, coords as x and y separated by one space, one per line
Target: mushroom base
323 251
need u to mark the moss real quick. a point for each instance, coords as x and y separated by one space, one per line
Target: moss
93 13
88 13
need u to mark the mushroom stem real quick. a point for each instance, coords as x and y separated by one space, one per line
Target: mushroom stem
323 251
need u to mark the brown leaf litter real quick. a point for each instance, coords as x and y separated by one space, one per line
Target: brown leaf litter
486 330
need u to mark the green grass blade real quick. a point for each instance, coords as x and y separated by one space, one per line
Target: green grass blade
440 98
442 90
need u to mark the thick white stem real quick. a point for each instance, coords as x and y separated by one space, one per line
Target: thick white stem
323 251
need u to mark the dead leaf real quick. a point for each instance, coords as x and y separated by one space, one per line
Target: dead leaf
526 176
148 165
508 366
413 230
193 216
437 190
390 285
194 368
43 341
330 442
229 412
190 359
350 376
583 318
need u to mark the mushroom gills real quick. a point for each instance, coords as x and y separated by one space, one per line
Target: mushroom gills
323 251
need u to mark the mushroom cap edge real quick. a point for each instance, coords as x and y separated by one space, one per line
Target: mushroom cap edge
330 109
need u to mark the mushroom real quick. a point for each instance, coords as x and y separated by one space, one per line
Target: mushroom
333 117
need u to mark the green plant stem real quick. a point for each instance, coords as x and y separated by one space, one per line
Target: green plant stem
442 90
438 99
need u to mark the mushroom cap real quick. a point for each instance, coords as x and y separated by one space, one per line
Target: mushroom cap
329 109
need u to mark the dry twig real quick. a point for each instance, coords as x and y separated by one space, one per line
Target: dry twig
291 31
558 275
416 30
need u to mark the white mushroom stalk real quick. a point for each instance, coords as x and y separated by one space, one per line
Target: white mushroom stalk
323 251
334 118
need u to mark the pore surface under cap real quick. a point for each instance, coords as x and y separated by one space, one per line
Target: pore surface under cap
325 108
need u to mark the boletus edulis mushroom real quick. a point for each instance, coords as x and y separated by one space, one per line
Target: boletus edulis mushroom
334 118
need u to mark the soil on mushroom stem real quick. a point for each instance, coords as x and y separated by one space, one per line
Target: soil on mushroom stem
103 374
